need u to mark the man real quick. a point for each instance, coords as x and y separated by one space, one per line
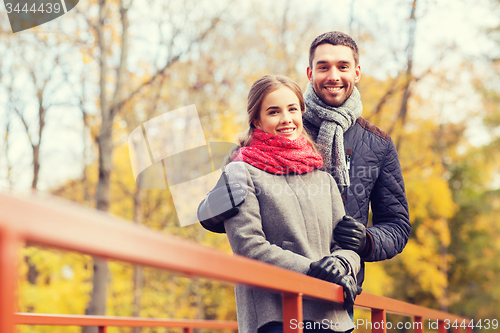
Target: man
361 157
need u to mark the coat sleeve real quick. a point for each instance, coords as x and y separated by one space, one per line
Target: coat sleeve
247 237
391 221
207 218
338 212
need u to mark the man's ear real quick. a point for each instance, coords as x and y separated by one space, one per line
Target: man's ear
358 74
309 74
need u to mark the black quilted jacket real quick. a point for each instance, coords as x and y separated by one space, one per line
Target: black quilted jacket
375 175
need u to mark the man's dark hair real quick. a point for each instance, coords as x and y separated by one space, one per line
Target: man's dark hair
334 38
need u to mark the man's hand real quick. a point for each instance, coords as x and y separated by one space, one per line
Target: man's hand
221 204
351 235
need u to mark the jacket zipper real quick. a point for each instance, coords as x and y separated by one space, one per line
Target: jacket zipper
348 156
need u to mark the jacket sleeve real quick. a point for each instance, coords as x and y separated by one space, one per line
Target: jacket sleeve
391 221
247 237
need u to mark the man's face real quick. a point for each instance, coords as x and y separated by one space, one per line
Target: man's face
334 73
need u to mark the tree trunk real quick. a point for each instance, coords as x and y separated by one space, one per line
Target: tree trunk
36 166
97 304
403 110
6 152
86 129
443 268
138 285
138 270
41 126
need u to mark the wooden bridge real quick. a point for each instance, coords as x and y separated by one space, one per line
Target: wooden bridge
66 225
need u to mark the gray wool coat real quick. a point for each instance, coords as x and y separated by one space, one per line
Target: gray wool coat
286 221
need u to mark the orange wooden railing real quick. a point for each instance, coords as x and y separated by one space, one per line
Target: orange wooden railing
66 225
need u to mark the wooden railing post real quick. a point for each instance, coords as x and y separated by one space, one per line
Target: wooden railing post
418 324
379 323
441 326
292 312
188 330
9 245
102 329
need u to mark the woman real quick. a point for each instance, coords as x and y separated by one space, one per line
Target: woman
290 211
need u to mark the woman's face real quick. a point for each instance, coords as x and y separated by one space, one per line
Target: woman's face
280 114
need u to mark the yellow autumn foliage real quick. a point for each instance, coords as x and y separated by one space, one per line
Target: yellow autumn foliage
62 285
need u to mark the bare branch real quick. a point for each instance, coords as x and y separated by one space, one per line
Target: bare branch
390 91
25 124
403 110
170 62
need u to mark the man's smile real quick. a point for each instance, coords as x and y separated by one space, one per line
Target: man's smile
334 89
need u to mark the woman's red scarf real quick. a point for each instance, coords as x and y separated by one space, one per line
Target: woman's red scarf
279 155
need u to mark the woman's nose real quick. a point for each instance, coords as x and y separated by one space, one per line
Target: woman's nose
286 118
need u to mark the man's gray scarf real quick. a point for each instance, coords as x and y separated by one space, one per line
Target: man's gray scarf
332 123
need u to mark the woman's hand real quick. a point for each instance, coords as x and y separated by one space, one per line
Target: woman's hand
334 269
330 268
351 290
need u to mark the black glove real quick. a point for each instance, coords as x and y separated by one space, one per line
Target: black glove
351 290
221 204
351 235
334 269
330 268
